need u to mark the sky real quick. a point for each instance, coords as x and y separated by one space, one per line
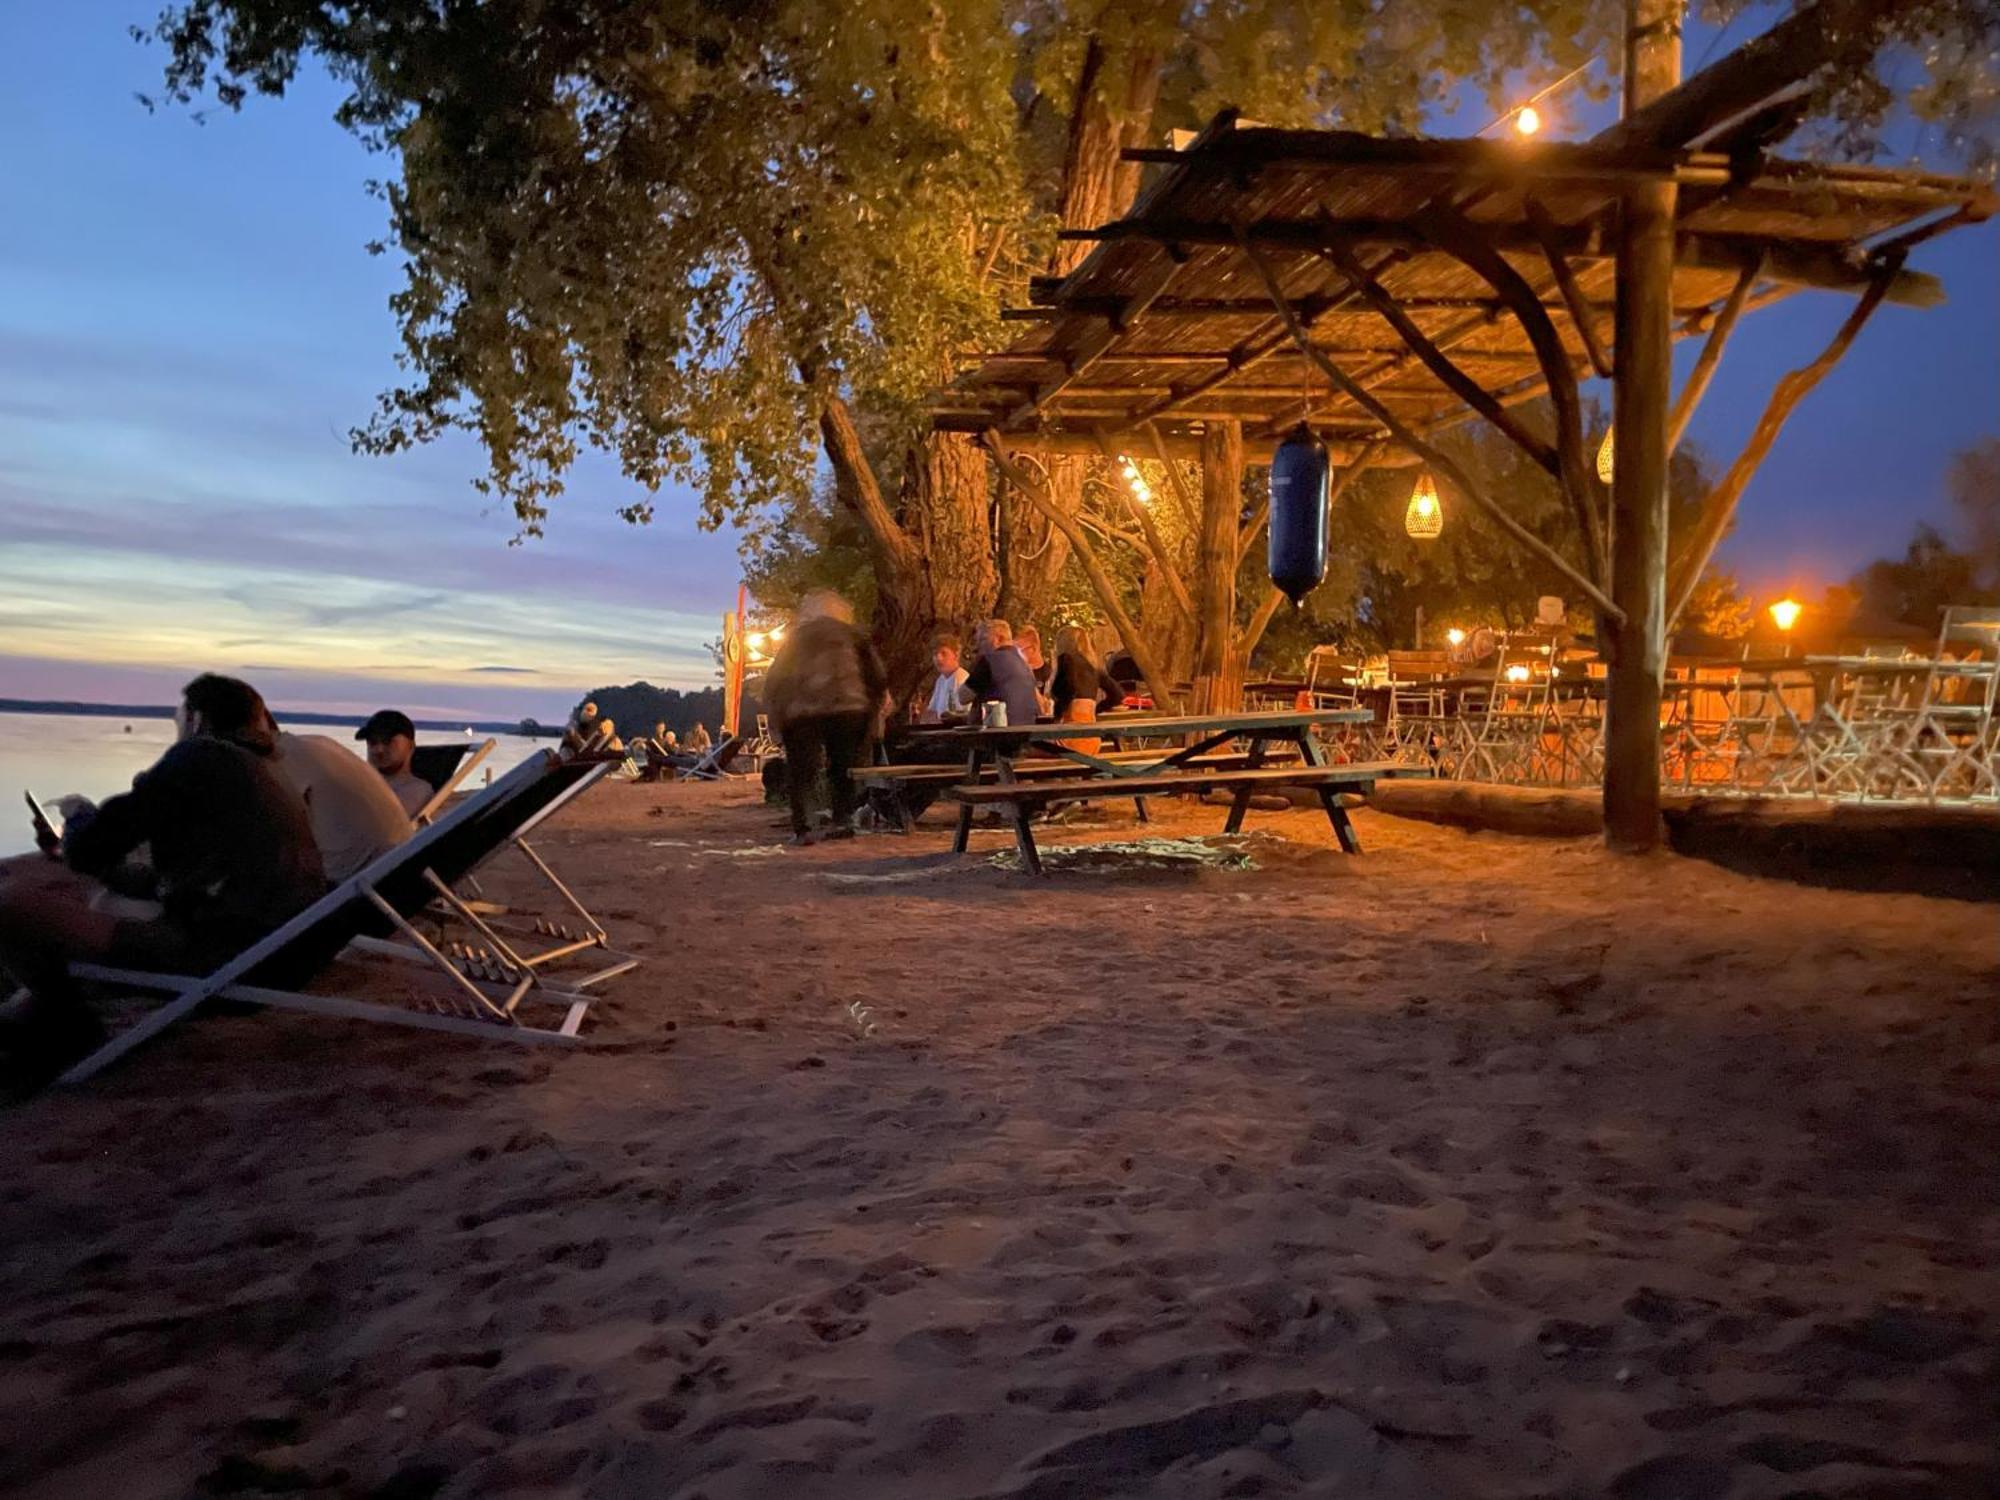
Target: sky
189 325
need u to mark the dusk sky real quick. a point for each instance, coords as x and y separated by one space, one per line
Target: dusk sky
189 325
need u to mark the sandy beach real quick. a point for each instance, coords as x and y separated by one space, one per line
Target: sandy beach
1479 1165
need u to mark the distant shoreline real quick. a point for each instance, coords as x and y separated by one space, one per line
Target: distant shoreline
301 716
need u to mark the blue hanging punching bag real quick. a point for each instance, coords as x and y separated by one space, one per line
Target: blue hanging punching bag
1299 476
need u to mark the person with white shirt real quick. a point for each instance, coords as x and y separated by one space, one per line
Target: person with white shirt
947 695
355 813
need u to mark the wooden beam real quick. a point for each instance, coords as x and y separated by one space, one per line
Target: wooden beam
1711 355
1190 512
1454 234
1086 555
1221 356
1091 304
1436 458
1792 51
1215 565
1719 507
1547 231
1155 543
1462 385
1814 263
1095 341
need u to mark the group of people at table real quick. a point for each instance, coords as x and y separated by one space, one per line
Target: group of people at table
828 700
238 827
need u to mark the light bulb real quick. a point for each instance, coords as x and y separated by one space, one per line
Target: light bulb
1455 636
1527 120
1785 613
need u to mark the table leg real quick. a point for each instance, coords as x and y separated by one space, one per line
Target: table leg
1343 826
1239 803
962 839
1024 840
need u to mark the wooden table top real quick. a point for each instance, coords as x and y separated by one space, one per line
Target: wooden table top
1127 725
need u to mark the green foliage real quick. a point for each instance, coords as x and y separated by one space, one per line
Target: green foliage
1914 588
637 707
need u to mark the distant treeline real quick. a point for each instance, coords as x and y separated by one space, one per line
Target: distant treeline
637 707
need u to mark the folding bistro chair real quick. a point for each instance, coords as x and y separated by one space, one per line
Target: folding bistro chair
483 994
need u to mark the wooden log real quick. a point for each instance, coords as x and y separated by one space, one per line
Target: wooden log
1457 235
1689 399
1154 542
1812 263
1435 457
1641 390
1720 504
1547 231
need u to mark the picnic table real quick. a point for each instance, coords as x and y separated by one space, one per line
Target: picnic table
1203 752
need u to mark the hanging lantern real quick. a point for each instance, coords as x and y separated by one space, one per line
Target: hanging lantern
1607 455
1425 517
1299 475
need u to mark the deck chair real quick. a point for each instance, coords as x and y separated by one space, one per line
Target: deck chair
446 768
714 765
483 995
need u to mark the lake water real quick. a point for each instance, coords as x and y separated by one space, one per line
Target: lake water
54 754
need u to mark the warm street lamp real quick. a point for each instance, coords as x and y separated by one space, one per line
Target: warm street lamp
1785 613
1527 120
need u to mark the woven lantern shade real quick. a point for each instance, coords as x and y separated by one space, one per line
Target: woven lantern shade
1607 455
1424 520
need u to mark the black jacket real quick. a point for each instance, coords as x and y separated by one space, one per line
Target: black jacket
232 846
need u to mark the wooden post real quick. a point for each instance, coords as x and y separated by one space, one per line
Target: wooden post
1215 566
732 662
1641 393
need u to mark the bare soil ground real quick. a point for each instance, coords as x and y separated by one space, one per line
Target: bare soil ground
1478 1165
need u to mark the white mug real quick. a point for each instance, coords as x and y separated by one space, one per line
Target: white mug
996 714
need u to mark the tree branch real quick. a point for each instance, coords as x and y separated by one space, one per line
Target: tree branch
1438 460
1176 481
1155 543
1720 506
1100 582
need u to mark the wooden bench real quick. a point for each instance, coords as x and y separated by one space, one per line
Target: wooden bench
896 779
1024 798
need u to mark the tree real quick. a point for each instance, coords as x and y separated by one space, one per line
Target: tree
710 239
1975 494
1915 588
722 242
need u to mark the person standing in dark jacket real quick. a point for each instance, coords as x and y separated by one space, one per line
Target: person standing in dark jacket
232 858
825 695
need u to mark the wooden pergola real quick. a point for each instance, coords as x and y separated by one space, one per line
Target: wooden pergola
1383 290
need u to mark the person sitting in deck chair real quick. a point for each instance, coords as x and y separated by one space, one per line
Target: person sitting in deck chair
582 729
233 858
356 816
699 742
391 740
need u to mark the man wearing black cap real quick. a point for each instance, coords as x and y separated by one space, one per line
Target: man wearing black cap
391 740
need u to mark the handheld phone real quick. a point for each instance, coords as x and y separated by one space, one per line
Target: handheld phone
46 838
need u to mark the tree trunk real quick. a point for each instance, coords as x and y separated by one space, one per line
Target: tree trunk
1107 113
946 504
1218 681
1033 551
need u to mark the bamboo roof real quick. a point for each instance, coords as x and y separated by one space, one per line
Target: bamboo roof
1167 321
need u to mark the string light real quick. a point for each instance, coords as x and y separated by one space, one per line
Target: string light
1607 455
1424 520
1141 491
